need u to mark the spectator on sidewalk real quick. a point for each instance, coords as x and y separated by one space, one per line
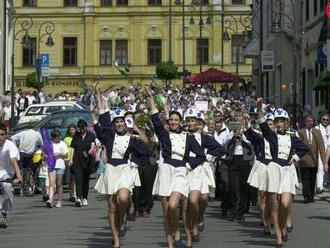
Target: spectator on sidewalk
313 139
55 176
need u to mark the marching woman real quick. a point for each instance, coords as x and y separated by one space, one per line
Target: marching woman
281 172
171 182
120 175
201 179
258 174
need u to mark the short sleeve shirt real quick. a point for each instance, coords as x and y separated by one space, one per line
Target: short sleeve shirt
7 151
60 147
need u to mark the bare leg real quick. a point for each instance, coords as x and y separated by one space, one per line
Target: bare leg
193 210
52 178
185 215
59 187
286 200
123 202
168 232
112 220
274 208
203 203
172 210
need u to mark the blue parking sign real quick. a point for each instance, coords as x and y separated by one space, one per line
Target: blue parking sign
44 60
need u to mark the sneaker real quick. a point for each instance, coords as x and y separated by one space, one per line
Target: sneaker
3 222
59 204
84 202
49 204
78 203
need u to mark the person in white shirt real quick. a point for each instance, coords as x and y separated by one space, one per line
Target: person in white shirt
326 166
8 168
27 142
323 127
6 113
55 175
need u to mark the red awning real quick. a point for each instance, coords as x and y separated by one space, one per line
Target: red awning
213 76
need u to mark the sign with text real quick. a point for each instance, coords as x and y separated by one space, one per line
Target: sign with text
202 106
44 64
267 61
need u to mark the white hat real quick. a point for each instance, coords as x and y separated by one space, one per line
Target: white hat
201 116
269 116
177 110
190 113
281 113
117 113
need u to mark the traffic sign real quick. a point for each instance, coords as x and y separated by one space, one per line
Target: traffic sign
267 61
44 60
44 71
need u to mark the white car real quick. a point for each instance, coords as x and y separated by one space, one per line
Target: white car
36 112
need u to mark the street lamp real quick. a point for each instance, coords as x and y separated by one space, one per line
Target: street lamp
25 23
195 4
234 24
46 29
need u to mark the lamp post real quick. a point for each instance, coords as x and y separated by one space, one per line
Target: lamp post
46 29
195 5
25 23
234 24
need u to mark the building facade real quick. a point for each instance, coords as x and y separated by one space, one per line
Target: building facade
96 38
315 56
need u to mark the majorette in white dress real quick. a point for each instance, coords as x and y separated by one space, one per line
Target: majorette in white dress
119 171
174 162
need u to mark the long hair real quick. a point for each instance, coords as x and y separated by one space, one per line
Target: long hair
67 134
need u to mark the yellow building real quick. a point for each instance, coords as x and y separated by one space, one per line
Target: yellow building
90 34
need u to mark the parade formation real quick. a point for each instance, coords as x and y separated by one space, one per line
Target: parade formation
170 122
160 145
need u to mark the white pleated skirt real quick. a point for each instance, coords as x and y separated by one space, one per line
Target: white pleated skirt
170 179
201 178
258 176
118 177
281 179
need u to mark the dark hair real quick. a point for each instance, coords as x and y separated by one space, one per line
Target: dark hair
68 130
55 133
82 123
173 112
3 127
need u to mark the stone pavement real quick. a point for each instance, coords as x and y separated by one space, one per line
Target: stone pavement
32 225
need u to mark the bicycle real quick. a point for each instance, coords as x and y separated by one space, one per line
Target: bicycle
30 184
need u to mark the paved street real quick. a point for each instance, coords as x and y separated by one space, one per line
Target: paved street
33 225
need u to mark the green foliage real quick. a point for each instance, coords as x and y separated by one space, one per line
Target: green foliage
31 81
167 71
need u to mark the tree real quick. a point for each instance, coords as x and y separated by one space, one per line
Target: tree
31 81
167 71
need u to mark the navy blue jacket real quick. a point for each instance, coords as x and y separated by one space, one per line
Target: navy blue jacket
166 146
212 146
106 136
297 146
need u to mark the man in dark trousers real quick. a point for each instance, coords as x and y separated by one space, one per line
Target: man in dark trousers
312 137
83 162
240 155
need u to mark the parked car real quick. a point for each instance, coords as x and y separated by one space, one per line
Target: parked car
61 120
37 112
